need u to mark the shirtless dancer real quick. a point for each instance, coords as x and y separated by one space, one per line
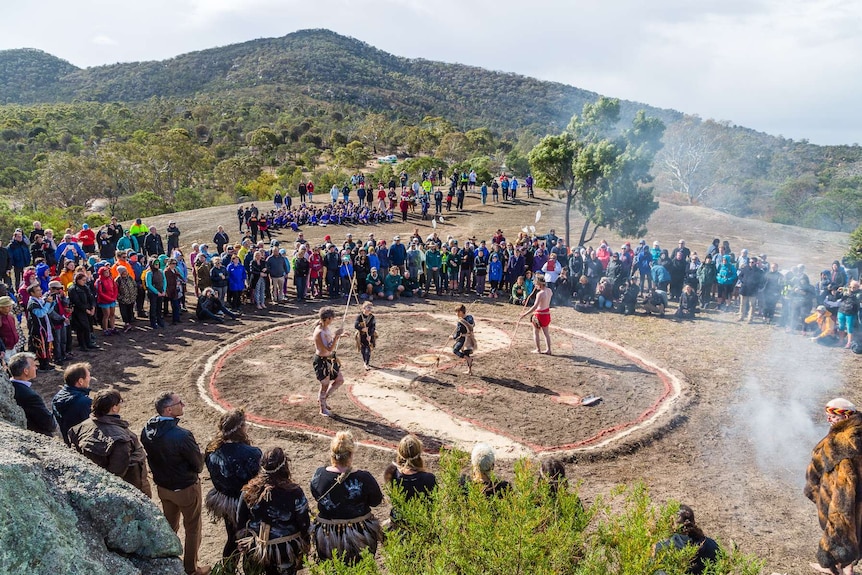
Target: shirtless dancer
541 311
326 366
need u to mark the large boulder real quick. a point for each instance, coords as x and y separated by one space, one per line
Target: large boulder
64 514
9 410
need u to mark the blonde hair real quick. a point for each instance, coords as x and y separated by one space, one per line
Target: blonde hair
410 454
482 460
341 447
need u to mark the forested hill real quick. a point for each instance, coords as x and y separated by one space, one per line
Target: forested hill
28 75
316 64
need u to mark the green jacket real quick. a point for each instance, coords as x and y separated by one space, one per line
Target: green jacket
433 259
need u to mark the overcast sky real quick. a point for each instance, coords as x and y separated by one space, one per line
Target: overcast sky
786 67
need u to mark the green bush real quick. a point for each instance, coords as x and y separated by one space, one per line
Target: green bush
529 530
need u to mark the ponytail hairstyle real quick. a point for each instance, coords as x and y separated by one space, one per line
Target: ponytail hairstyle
686 525
409 455
341 448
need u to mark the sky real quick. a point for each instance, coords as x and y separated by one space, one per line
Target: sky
786 67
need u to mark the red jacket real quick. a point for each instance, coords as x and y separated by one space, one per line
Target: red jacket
87 237
106 287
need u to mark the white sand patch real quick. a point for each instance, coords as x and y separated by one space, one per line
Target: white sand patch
385 392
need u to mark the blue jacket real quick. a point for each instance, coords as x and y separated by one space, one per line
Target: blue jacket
495 269
62 248
660 275
71 406
397 254
19 254
236 276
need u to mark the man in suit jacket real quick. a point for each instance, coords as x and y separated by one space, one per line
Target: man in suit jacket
22 368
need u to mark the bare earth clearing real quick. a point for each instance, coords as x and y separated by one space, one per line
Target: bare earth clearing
733 442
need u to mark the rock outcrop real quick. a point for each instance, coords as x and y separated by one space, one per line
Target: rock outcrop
63 514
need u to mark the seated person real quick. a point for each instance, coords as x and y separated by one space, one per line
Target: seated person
211 307
482 472
605 293
519 291
688 533
688 303
825 324
392 284
655 302
411 286
583 293
630 292
374 284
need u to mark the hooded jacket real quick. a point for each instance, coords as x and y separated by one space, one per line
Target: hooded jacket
175 457
71 406
107 441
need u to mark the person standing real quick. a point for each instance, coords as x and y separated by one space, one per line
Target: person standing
176 462
8 328
173 237
71 405
273 512
22 369
105 439
19 255
232 461
832 483
345 523
327 368
153 244
41 334
156 286
541 311
83 304
366 333
465 341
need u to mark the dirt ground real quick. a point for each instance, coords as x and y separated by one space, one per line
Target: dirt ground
733 446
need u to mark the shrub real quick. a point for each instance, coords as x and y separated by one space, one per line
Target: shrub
529 530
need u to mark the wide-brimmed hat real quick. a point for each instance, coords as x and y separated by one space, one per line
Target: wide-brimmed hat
6 301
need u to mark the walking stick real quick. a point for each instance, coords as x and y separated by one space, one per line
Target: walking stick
517 323
347 305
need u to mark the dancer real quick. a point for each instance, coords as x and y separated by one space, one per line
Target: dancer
832 483
541 311
273 518
366 333
345 523
326 366
465 341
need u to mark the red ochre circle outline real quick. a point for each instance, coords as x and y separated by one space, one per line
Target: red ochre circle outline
672 391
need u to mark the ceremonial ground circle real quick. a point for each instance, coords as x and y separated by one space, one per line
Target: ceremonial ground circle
521 403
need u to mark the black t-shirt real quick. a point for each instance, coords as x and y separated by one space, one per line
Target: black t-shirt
285 511
707 550
419 483
489 488
354 497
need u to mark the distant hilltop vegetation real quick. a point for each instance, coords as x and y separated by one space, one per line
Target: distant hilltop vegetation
318 90
311 63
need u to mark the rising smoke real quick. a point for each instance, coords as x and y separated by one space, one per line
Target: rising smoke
779 411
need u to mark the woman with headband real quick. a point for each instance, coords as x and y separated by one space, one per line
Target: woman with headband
232 461
273 517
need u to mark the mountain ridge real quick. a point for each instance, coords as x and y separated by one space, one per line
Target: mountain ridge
318 64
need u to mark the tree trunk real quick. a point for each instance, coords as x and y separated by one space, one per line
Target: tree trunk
584 232
569 198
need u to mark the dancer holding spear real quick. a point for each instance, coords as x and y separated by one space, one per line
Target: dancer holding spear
327 368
